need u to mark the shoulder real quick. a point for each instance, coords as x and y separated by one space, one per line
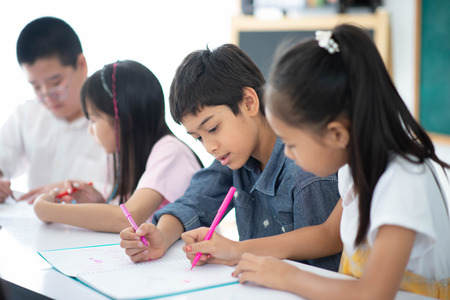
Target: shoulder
303 178
405 189
32 107
168 142
31 115
168 145
170 151
407 195
401 172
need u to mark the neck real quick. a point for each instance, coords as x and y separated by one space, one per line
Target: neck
74 116
265 143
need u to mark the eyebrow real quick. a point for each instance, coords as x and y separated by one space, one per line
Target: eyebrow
203 122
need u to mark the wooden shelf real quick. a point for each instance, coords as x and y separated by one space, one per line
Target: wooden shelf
377 22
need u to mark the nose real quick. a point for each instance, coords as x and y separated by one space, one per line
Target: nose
43 93
210 145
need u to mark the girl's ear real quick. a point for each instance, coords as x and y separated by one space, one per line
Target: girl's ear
251 101
338 134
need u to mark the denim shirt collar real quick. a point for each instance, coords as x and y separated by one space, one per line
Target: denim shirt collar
268 178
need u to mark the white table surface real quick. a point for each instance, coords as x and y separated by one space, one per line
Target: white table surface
22 234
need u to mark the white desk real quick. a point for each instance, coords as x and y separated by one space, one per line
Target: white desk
22 234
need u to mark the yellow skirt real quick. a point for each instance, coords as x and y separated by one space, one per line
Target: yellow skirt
411 282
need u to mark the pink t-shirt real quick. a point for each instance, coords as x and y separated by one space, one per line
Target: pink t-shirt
170 167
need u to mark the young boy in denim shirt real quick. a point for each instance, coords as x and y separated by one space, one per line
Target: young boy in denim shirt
217 95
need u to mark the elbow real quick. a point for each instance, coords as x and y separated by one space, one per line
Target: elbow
41 212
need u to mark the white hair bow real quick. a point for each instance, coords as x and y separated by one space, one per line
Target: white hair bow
326 42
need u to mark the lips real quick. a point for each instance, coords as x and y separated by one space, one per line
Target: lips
224 159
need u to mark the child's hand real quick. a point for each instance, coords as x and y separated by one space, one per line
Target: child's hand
47 197
218 250
267 271
81 192
136 250
34 193
5 189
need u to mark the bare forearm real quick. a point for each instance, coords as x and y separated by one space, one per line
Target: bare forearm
99 217
171 228
310 286
305 243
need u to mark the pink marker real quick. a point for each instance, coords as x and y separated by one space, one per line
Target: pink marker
132 222
216 221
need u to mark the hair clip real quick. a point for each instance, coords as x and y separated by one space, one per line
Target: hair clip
105 86
326 41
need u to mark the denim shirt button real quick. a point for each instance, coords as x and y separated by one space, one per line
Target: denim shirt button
266 223
282 229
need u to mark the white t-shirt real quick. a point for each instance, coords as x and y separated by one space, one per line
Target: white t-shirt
170 167
406 195
49 149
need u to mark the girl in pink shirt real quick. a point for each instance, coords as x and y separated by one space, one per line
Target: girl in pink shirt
124 103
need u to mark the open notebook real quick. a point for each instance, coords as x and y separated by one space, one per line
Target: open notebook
108 269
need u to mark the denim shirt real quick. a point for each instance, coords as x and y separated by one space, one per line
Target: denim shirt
279 199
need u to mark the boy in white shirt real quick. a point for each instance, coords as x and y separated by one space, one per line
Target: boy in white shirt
47 138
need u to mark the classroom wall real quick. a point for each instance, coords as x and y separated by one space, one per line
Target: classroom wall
159 36
403 26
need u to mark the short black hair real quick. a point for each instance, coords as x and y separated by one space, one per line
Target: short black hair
48 37
212 78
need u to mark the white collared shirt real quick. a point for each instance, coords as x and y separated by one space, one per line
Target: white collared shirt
48 149
406 195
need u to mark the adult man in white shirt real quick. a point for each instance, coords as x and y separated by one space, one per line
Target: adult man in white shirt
47 138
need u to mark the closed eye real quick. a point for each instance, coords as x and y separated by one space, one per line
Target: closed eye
213 129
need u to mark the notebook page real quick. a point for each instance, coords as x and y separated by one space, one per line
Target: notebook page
71 261
162 277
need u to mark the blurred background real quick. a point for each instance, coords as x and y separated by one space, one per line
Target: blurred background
160 33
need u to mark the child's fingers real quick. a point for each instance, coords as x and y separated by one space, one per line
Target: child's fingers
202 247
187 238
69 185
195 235
28 195
5 188
3 195
247 264
137 256
146 229
249 257
191 255
128 234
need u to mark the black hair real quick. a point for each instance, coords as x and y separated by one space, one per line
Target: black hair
309 87
140 104
48 37
212 78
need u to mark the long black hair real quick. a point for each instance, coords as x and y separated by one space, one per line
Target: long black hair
309 87
140 106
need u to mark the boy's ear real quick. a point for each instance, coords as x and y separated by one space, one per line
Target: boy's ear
82 65
251 101
338 134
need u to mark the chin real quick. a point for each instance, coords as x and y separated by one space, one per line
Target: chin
234 166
